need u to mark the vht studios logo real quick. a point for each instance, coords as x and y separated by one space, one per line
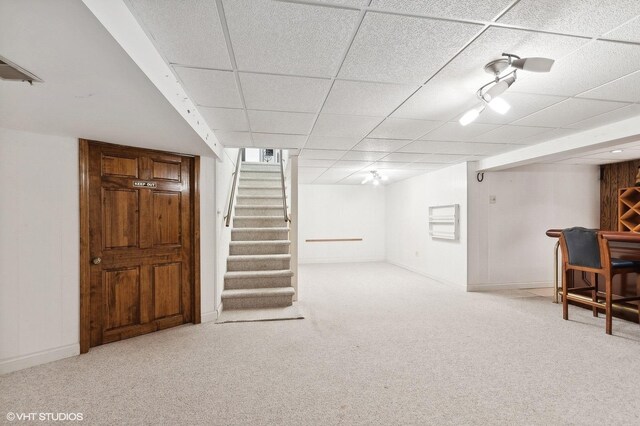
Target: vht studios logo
45 417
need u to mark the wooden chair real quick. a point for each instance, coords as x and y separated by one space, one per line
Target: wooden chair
588 251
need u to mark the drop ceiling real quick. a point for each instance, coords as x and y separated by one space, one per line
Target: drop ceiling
358 85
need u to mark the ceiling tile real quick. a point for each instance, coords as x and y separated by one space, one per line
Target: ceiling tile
315 163
393 48
225 118
283 93
593 65
443 158
440 100
333 175
360 98
485 10
453 91
346 126
281 122
363 156
278 141
309 174
607 117
522 104
289 38
425 166
509 134
454 131
210 88
329 142
354 3
388 165
382 145
461 148
403 157
585 17
402 128
628 32
568 112
351 165
550 134
234 139
321 154
626 89
186 33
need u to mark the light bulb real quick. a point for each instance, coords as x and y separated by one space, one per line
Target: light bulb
376 182
471 115
499 105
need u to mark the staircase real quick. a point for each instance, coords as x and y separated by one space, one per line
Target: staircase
259 263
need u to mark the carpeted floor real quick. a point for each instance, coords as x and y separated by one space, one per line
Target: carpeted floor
379 345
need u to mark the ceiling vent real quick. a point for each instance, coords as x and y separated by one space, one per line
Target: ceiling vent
12 72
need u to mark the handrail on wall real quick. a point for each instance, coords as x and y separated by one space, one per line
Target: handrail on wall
232 194
284 192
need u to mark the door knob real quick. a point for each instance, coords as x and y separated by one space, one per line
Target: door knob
96 260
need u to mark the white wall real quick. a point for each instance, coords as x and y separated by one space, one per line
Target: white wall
39 249
341 211
508 247
208 244
223 175
408 242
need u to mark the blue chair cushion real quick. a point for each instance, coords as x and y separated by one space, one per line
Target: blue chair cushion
624 263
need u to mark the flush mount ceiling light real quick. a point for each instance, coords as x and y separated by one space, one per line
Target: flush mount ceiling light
504 71
375 178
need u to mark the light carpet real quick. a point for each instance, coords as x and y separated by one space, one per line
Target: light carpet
380 345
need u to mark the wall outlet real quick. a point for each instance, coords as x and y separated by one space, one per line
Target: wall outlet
492 199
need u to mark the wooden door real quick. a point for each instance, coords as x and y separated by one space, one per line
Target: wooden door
140 213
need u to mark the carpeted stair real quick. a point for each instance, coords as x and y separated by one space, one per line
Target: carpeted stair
259 263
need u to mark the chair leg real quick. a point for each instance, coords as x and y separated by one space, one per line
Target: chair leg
594 294
607 302
565 302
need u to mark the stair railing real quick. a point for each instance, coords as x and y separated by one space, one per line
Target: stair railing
232 194
284 191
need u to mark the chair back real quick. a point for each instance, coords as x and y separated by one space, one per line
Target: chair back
582 247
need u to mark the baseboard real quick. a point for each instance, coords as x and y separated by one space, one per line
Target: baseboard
431 277
37 358
209 316
508 286
339 260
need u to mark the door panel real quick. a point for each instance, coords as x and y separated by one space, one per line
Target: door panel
140 240
120 218
123 297
119 166
166 213
167 289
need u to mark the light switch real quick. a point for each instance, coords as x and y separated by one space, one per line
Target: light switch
492 199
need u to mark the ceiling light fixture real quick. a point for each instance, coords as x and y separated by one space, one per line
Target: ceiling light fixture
375 178
502 82
616 151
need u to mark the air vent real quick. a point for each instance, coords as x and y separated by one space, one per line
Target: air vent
12 72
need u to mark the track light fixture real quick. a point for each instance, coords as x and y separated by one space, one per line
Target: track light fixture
375 178
489 94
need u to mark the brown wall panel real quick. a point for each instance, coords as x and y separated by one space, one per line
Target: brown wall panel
614 176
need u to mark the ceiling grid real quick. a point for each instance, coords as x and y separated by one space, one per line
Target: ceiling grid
356 85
